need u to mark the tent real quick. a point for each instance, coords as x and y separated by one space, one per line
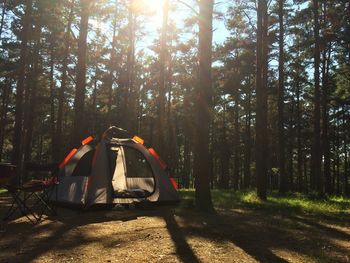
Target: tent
113 171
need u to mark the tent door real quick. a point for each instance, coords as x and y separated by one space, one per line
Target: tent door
118 179
139 173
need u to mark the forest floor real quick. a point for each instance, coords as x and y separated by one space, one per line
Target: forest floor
242 230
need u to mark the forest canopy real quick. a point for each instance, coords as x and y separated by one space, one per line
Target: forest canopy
239 94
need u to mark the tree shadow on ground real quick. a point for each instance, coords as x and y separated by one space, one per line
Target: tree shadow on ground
257 233
183 250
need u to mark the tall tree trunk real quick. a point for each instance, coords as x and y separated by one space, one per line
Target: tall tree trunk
261 107
225 153
281 148
128 83
186 164
162 79
316 176
338 141
299 150
6 92
171 130
337 158
3 13
236 167
17 135
32 90
52 99
61 96
110 80
346 189
325 121
204 108
79 116
290 164
248 144
188 138
94 102
211 156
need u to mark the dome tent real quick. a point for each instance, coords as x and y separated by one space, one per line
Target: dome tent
113 171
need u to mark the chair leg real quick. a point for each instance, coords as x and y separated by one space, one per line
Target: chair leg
10 211
32 210
14 206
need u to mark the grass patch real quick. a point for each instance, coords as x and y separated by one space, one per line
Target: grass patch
289 203
2 191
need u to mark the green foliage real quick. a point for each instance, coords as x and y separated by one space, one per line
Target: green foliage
122 73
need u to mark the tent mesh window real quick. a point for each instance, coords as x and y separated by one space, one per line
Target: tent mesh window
136 164
84 165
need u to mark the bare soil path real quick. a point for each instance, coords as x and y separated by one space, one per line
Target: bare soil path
174 234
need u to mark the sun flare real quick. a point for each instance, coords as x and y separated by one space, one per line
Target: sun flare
154 9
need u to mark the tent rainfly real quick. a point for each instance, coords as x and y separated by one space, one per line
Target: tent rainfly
115 171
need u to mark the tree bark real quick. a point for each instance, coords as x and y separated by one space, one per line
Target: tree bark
3 13
162 79
236 167
337 158
94 102
18 128
224 182
127 119
52 99
79 129
111 66
32 90
204 108
290 148
299 150
346 189
316 183
61 96
325 121
4 112
281 146
261 94
248 143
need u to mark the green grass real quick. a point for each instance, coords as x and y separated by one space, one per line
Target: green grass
289 203
3 191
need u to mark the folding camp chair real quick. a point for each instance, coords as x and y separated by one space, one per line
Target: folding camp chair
31 199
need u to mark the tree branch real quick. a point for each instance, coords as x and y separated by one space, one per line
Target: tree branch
187 5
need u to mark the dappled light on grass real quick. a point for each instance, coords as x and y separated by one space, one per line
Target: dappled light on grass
298 201
290 203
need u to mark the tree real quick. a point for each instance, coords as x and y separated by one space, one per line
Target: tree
316 182
18 128
64 79
281 150
203 107
64 64
79 116
162 78
111 66
261 94
3 14
326 53
32 86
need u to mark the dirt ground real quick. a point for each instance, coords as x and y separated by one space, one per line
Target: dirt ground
174 234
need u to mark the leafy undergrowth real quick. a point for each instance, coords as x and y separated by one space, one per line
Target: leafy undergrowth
292 203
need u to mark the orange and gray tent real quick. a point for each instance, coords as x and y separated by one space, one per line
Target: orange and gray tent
114 171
